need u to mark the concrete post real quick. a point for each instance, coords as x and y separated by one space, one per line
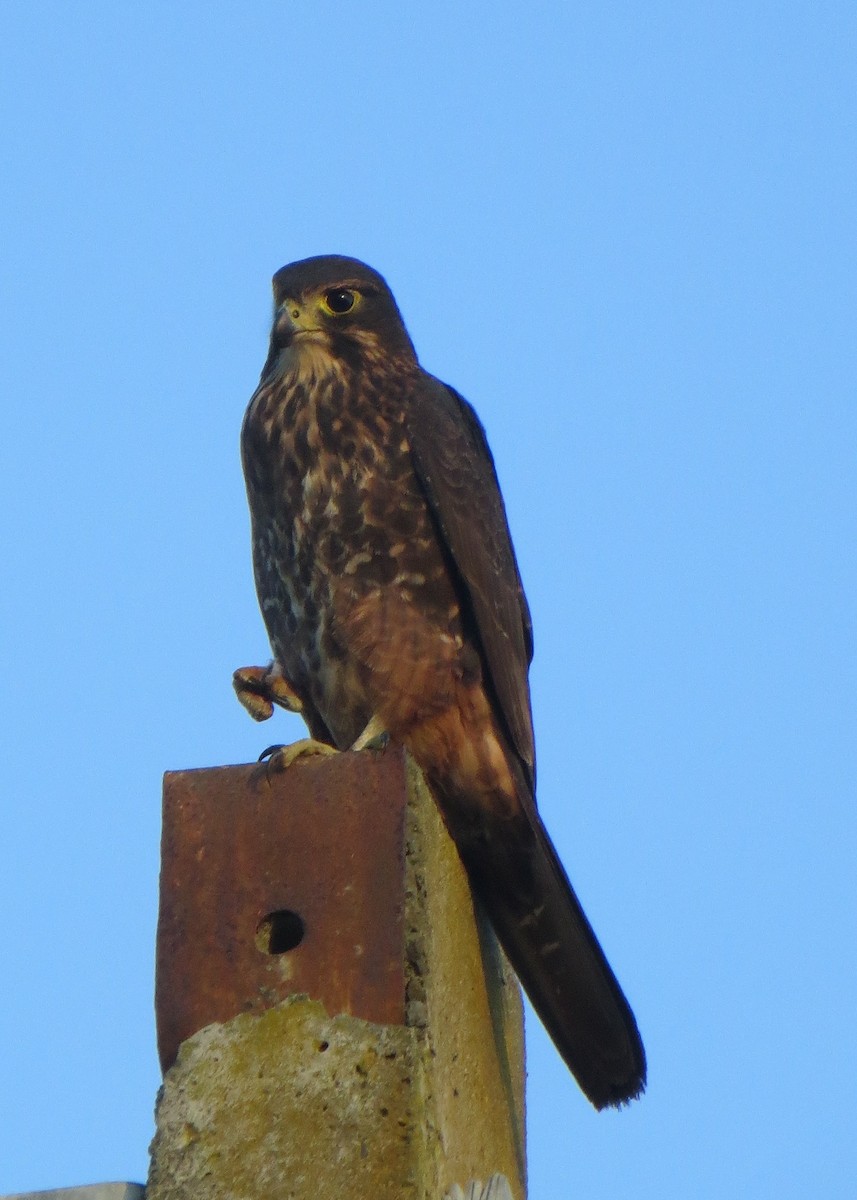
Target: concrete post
334 1018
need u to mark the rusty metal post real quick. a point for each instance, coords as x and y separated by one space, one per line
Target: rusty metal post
333 1017
277 885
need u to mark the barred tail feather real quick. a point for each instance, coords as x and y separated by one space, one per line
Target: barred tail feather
541 925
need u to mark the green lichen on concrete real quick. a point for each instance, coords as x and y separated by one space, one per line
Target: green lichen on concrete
291 1103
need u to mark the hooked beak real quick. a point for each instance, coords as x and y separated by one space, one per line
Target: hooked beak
290 321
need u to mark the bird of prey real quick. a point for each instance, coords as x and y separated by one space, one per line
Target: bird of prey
391 594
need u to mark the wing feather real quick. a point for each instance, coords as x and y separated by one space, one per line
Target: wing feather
456 470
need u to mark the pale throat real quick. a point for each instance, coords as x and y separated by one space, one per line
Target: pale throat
308 360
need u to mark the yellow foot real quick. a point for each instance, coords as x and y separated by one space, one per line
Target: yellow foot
260 688
280 758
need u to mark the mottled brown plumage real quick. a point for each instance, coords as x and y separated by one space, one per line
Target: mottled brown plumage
391 595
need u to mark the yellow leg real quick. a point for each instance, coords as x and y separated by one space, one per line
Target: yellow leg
373 737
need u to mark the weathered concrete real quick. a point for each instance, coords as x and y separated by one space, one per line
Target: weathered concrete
293 1104
474 1013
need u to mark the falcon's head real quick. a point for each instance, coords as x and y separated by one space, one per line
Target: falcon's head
337 306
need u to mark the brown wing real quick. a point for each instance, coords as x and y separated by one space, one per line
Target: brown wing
456 470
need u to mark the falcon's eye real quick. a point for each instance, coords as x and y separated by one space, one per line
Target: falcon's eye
340 300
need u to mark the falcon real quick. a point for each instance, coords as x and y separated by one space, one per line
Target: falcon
392 598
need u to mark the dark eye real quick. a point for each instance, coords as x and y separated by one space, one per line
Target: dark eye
340 300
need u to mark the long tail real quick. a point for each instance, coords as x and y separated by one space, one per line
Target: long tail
538 919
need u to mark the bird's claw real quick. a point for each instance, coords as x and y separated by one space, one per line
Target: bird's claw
280 758
260 688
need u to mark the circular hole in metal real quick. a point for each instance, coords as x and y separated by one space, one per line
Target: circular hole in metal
279 932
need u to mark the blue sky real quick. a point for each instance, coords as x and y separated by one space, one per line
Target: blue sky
626 234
